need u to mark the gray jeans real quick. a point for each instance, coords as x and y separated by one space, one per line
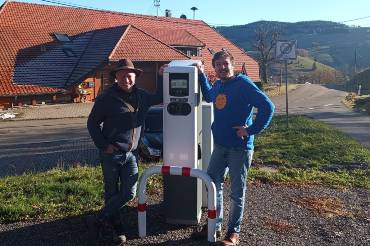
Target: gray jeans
120 173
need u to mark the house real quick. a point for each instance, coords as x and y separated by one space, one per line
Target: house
65 54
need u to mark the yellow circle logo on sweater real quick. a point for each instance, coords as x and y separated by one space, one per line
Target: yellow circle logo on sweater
221 101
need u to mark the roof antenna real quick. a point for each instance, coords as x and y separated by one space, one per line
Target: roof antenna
194 9
157 5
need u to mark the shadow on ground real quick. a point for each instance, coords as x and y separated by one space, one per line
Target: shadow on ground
75 231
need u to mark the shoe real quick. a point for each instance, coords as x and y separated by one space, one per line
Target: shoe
201 232
96 229
118 236
119 239
231 239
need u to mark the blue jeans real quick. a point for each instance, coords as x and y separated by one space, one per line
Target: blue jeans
236 161
120 174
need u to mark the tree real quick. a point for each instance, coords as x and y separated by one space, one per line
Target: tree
267 36
323 76
314 66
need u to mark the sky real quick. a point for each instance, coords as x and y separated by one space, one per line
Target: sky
239 12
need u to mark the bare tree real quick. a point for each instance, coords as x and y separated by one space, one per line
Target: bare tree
266 37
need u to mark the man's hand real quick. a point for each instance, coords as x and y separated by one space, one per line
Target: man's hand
241 131
161 69
200 66
110 149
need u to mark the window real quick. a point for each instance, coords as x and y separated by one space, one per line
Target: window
190 51
62 37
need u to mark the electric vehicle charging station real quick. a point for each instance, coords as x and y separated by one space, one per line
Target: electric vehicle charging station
182 141
184 129
207 143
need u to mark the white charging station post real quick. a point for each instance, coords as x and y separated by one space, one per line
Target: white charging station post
207 143
182 136
182 168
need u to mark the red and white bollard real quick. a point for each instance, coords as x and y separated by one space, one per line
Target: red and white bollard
181 171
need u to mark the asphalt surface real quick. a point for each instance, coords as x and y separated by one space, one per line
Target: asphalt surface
325 104
38 145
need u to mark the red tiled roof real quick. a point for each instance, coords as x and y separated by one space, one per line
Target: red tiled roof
175 37
139 46
25 26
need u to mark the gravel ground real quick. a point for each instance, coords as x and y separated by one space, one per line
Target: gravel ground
275 215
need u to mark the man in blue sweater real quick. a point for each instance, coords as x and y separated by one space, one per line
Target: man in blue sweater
234 97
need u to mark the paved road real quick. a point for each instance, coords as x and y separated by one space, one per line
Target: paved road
38 145
324 103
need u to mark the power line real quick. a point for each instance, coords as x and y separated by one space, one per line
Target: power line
361 18
156 4
69 4
200 23
211 24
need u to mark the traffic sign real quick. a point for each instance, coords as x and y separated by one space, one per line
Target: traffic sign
286 50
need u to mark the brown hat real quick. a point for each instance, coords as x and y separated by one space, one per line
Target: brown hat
126 64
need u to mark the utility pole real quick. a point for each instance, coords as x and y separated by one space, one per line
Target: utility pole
286 93
157 5
355 61
355 82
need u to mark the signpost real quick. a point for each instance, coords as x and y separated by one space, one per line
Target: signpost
286 50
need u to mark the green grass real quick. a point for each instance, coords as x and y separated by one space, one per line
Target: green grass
307 153
362 104
55 194
276 90
307 62
296 176
300 71
298 155
307 143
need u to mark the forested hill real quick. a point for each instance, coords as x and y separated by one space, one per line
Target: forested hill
334 44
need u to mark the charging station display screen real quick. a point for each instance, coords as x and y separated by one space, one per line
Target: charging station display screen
179 84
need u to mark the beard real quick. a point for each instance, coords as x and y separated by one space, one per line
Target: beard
225 74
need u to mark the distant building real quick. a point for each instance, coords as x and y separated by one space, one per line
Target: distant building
63 54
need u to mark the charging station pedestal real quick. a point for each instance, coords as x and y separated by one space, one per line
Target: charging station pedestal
207 143
182 141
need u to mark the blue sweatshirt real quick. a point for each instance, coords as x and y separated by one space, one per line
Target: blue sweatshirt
233 103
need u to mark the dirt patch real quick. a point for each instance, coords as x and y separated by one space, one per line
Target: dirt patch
279 226
327 206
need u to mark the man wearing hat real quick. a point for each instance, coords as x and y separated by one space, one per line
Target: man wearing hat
120 110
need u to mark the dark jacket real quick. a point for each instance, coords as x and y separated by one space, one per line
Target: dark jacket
115 120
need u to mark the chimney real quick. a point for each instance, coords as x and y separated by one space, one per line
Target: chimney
168 13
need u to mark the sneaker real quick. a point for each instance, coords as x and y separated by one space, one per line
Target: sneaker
201 232
231 239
